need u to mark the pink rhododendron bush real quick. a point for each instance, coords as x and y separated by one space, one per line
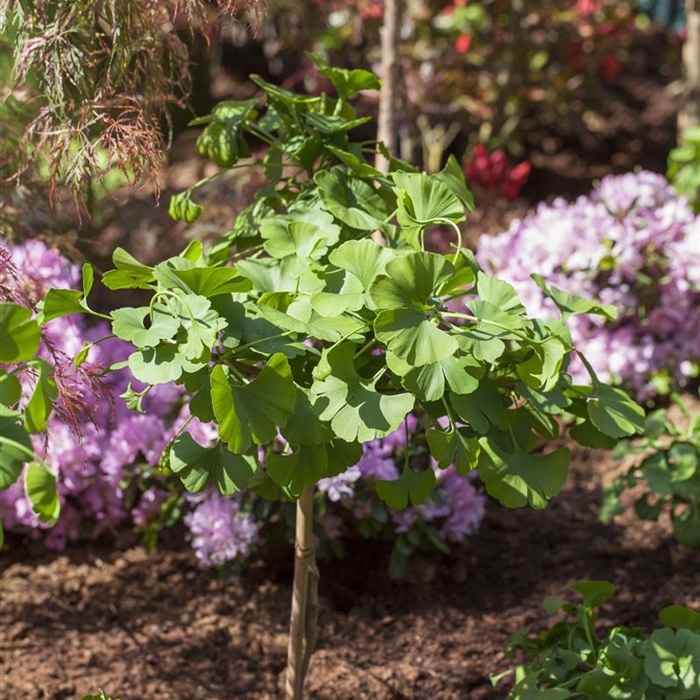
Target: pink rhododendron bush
106 455
633 243
94 443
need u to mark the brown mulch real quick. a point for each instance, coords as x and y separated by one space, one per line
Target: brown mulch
157 627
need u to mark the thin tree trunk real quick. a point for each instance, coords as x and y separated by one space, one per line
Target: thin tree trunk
514 60
690 112
389 94
304 618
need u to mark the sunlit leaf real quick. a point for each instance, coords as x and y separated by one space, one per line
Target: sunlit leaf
19 332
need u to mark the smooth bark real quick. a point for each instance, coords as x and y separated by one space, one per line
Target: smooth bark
304 618
690 112
389 94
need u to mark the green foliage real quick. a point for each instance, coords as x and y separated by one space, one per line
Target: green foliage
298 324
684 166
21 337
668 465
571 660
101 696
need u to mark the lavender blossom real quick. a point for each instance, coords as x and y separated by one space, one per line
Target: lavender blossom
220 531
633 243
335 487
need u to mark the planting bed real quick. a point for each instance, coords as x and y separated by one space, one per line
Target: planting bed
157 627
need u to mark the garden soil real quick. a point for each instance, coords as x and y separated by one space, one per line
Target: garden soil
157 627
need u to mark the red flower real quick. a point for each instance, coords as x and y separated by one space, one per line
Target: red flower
588 7
610 67
493 171
513 185
463 43
372 10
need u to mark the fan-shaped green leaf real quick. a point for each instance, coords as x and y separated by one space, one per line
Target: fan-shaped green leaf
517 479
39 406
459 447
353 201
253 412
15 447
614 413
410 486
198 466
356 410
40 484
128 323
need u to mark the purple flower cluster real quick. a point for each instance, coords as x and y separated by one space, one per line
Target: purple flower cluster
633 243
220 531
93 440
455 508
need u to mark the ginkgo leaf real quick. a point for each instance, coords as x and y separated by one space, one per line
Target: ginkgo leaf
130 273
500 293
283 237
40 404
614 413
15 447
19 332
569 304
303 426
200 323
411 282
452 175
253 412
365 259
459 447
198 466
353 201
410 486
411 337
423 199
356 411
40 485
128 323
346 82
541 369
428 383
307 464
518 479
160 364
482 408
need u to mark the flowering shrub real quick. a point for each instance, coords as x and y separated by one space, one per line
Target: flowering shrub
493 171
452 512
632 243
94 445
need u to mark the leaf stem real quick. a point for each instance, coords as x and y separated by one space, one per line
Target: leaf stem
458 252
236 351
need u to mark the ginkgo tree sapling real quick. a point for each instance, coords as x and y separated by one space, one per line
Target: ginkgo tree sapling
301 338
